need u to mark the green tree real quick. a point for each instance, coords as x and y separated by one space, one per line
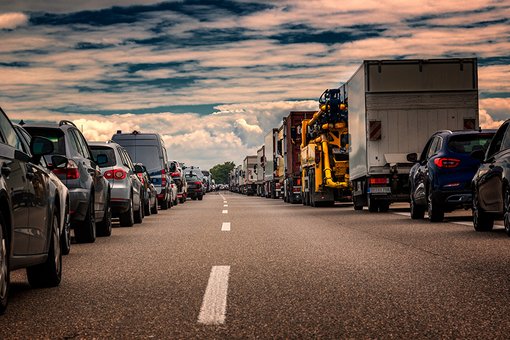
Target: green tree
220 172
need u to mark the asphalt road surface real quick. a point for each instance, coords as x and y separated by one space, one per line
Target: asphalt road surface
233 266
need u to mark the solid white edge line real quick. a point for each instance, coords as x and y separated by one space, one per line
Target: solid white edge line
224 211
225 226
214 304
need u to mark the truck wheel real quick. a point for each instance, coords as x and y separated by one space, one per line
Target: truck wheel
4 267
85 232
49 273
127 218
384 206
417 211
358 203
373 205
481 220
435 210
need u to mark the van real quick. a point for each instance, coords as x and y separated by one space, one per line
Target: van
149 149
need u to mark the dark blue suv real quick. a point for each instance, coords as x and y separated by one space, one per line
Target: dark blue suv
440 181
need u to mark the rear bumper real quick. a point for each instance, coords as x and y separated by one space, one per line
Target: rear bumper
454 199
119 205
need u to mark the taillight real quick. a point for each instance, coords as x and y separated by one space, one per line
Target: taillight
115 174
379 180
71 171
163 178
298 182
447 162
175 174
140 176
199 184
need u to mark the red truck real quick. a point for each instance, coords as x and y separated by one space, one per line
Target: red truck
292 154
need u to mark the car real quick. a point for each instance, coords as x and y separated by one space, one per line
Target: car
440 180
29 213
151 196
198 173
178 175
491 183
195 186
127 193
63 193
89 191
149 149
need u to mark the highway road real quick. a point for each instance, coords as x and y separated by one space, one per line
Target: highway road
233 266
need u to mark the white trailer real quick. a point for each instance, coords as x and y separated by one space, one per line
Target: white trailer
248 175
260 170
269 164
394 106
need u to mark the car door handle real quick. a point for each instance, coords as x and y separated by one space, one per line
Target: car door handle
6 171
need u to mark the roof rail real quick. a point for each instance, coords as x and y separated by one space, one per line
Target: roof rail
66 122
443 131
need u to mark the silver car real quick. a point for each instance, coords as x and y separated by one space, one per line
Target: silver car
127 195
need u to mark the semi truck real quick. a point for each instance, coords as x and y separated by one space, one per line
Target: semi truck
248 177
279 174
292 155
259 170
325 153
270 164
394 106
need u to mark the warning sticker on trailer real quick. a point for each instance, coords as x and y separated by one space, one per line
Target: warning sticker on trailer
374 128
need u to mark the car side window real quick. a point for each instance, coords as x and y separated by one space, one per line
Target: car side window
83 144
497 141
74 142
131 165
124 158
9 135
505 144
433 147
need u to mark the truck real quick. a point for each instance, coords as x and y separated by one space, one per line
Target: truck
394 106
270 163
279 173
248 177
292 155
259 170
325 153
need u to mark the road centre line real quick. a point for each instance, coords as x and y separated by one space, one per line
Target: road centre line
225 205
214 304
225 226
224 211
224 201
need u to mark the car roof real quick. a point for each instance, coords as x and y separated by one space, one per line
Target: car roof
463 132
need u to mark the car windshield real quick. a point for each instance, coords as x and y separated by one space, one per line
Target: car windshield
109 152
56 136
192 178
469 143
147 155
173 167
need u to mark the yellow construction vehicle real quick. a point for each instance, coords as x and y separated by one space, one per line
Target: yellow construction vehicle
325 153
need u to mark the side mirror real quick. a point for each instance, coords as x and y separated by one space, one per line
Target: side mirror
478 154
59 162
101 159
40 146
138 169
412 157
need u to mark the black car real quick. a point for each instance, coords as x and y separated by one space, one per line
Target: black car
195 186
440 181
491 183
29 213
89 191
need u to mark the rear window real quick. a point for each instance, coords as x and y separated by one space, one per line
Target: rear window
191 177
56 136
148 155
469 143
109 152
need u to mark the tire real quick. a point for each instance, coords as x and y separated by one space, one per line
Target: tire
358 203
181 200
194 198
127 218
384 206
65 239
200 197
164 204
104 228
85 232
49 273
373 205
5 280
154 209
435 210
481 220
138 215
417 211
506 216
147 206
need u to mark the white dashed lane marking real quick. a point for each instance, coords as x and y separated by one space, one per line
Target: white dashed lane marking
214 304
225 226
224 211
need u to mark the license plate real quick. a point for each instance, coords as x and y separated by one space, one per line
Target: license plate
380 190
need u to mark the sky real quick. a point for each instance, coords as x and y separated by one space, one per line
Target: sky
214 76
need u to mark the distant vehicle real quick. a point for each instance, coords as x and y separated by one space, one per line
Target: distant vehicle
249 177
177 174
29 212
197 172
440 181
208 180
491 183
149 149
270 165
151 197
195 185
127 194
63 193
173 191
89 191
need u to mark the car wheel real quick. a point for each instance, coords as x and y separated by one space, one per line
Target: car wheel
176 201
4 268
85 232
65 239
49 273
147 207
373 205
104 228
481 220
164 204
506 218
181 200
435 210
139 213
417 211
154 209
127 218
200 197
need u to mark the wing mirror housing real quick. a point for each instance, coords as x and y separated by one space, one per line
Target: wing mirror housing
478 154
412 157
